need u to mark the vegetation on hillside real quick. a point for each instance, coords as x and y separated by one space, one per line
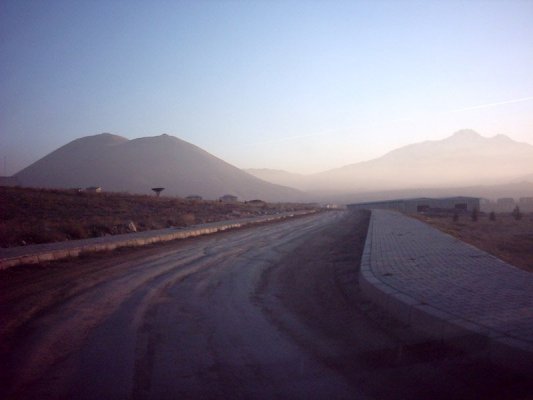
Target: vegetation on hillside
30 216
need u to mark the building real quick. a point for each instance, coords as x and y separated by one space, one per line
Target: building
505 204
461 204
94 189
9 181
256 203
193 197
526 204
228 198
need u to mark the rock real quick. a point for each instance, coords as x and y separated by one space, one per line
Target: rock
132 227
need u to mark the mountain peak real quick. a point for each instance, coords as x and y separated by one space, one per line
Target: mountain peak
165 138
105 135
502 138
95 141
466 134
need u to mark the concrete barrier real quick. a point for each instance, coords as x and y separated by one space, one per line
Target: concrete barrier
34 254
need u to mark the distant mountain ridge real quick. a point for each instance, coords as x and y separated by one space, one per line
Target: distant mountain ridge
465 162
118 164
465 159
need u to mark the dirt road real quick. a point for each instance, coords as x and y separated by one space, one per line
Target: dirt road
260 313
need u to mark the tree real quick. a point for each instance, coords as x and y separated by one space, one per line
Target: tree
492 216
475 214
517 214
158 191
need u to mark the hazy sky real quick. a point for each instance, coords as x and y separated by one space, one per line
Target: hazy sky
298 85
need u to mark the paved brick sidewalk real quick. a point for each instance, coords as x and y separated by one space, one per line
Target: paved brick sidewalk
427 277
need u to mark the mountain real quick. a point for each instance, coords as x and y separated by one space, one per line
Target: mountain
279 177
464 159
118 164
464 163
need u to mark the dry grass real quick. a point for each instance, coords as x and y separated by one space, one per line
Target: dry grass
42 215
505 237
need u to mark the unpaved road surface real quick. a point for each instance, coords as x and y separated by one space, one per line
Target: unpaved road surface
261 313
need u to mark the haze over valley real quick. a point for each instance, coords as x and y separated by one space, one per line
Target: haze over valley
465 163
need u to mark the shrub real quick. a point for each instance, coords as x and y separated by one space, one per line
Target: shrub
186 219
98 229
74 231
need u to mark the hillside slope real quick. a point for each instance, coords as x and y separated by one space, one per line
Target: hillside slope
118 164
280 177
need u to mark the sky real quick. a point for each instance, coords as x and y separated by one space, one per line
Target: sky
303 86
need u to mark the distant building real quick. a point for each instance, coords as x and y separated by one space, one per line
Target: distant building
256 202
505 204
9 181
333 206
94 189
487 205
228 198
193 197
526 203
423 204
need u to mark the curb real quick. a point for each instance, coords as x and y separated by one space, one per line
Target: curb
35 254
439 325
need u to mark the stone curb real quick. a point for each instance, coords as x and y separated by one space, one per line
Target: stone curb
435 324
39 253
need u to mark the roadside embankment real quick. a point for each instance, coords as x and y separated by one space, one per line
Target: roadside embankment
36 216
34 254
